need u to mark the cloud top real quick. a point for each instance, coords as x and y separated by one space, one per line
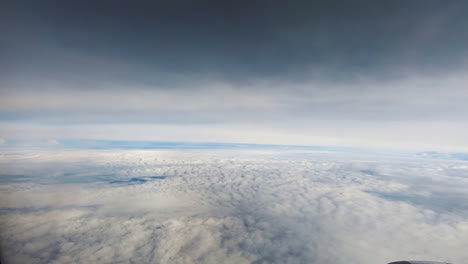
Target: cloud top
231 207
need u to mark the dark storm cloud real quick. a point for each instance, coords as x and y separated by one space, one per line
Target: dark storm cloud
234 40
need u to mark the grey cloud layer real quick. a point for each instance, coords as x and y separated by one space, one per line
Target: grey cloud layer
231 207
417 111
310 67
412 96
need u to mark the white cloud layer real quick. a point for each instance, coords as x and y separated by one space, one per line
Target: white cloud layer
397 136
230 207
411 110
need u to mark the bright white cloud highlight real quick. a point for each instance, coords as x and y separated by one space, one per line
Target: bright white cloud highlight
230 207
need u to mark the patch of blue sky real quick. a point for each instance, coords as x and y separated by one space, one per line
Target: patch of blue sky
111 144
82 144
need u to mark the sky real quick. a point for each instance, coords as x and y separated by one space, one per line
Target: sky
362 74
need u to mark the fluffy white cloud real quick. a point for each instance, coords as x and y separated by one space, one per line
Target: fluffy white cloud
230 207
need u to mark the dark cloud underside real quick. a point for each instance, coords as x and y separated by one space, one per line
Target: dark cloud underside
240 40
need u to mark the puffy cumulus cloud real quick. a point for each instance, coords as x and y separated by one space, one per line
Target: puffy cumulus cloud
230 207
